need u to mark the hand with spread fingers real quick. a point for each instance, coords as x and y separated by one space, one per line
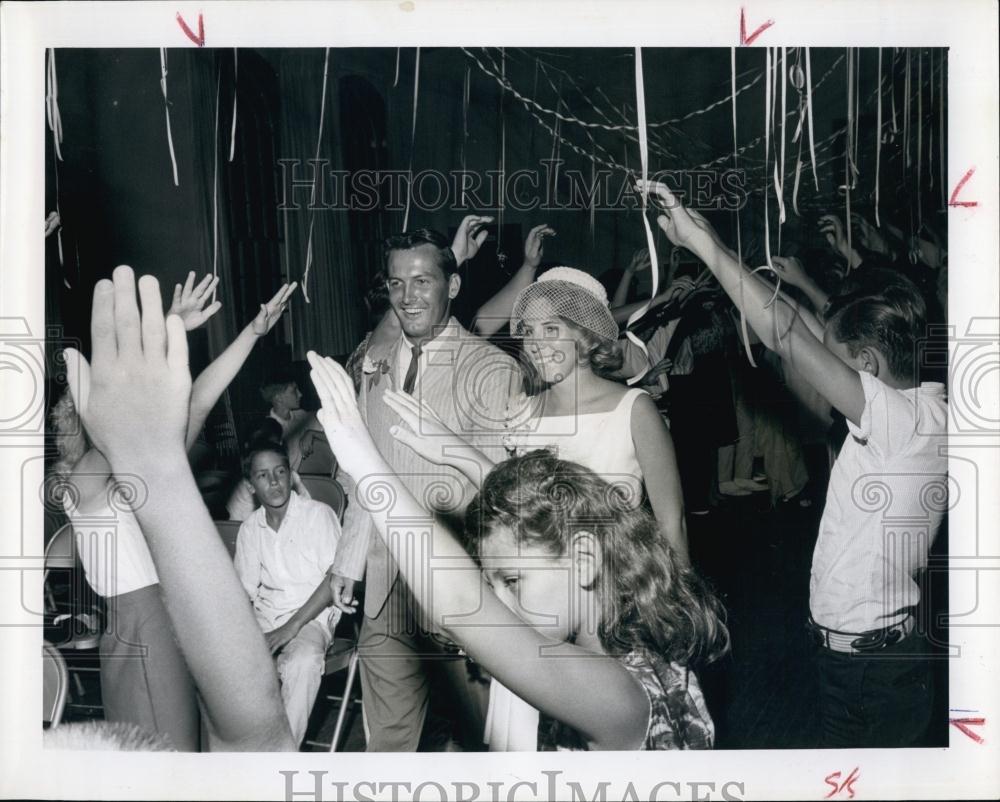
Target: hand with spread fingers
470 237
133 398
270 313
189 301
421 429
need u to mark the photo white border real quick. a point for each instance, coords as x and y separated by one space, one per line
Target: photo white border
968 27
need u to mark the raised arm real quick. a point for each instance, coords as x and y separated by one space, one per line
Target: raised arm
536 668
495 313
779 325
134 405
640 261
213 380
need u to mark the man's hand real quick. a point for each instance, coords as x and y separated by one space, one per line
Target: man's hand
685 228
470 237
189 301
270 313
534 245
423 430
870 237
278 638
134 400
342 588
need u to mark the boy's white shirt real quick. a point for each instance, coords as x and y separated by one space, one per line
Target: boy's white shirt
281 570
884 505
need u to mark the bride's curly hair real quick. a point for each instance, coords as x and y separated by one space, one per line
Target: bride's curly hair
649 599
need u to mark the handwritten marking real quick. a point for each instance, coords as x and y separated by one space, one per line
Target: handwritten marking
831 780
748 40
963 724
954 195
200 38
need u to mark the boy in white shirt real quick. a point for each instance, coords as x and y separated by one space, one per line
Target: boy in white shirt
283 552
887 491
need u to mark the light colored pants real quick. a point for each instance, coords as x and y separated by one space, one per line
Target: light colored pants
300 668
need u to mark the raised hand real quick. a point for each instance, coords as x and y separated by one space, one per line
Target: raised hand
534 244
835 233
790 269
341 419
640 261
270 313
870 237
685 228
422 429
470 237
189 301
133 398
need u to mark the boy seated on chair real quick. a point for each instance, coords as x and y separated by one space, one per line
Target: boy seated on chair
283 552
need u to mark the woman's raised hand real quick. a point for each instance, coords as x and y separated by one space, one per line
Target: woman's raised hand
189 301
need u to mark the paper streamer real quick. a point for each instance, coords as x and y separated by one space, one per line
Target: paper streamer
232 135
779 183
215 183
52 103
413 138
503 156
920 138
809 108
767 148
640 105
739 242
906 112
878 139
395 80
166 110
466 96
847 156
941 162
312 203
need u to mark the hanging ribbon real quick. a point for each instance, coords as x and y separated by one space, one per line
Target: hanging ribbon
501 256
395 80
920 138
878 140
413 139
906 111
312 204
215 183
593 194
930 128
166 109
739 241
767 147
52 103
941 163
465 124
779 183
232 135
847 155
640 106
809 108
556 140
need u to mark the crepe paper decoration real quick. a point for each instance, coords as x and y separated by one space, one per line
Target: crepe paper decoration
920 137
503 158
848 180
906 113
465 124
640 105
809 110
941 161
166 110
767 148
312 203
232 135
779 183
395 80
413 139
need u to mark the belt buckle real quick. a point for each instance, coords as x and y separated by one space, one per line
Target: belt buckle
877 639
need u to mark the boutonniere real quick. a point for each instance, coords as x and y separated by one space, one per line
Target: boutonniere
374 370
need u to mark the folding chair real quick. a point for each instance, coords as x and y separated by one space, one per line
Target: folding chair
342 654
321 460
55 684
229 531
327 490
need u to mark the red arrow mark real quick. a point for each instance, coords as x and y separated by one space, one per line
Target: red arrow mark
200 38
963 723
748 40
953 201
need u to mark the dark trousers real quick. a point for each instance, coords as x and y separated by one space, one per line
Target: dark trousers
878 699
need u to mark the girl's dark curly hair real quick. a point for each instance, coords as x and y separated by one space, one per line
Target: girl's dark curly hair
649 599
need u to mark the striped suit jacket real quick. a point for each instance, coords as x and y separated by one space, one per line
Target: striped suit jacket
467 381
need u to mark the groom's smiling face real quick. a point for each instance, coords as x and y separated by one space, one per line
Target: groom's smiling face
419 291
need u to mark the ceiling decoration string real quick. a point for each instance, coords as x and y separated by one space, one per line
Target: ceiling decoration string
166 110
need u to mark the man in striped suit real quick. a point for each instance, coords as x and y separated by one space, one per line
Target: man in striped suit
466 381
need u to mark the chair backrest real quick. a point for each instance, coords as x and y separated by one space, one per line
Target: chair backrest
229 531
60 551
321 460
327 490
55 684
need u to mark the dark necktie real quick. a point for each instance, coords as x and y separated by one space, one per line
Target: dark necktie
411 371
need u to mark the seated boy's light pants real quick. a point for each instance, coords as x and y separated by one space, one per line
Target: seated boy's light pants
300 668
